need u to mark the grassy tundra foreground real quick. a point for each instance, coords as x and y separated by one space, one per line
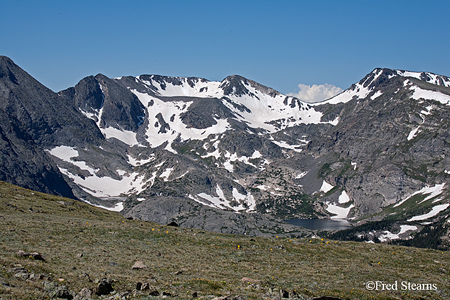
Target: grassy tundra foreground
73 250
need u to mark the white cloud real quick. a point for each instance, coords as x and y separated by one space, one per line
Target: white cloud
316 93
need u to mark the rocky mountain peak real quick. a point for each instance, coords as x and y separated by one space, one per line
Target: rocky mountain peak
380 77
234 85
12 75
106 102
6 62
239 86
5 69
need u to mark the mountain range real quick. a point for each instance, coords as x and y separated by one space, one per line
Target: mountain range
236 156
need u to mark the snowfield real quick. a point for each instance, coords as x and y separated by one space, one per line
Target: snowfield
93 184
221 202
340 212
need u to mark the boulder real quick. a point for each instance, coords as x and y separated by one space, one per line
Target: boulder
139 265
153 291
55 291
35 255
84 294
104 287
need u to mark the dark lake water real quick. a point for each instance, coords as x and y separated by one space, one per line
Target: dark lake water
321 224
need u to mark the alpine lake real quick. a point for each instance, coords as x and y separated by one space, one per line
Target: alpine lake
321 224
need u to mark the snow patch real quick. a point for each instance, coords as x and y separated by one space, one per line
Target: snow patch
200 88
376 95
344 198
125 136
428 94
285 145
106 186
93 184
427 111
68 154
326 187
334 122
434 211
170 112
388 236
221 202
432 191
139 162
264 110
340 212
413 133
301 175
165 175
118 207
432 78
64 152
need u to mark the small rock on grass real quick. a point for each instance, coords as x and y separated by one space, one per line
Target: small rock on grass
250 280
119 296
139 265
153 291
35 255
146 287
85 276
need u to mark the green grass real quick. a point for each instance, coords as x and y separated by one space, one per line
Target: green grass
183 261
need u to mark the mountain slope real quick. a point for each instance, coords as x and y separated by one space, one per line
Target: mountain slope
24 163
47 117
390 152
32 116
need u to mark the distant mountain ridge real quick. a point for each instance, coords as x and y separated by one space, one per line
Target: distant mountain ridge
202 150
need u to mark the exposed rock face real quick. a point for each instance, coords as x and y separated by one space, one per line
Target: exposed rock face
24 163
47 118
107 103
190 214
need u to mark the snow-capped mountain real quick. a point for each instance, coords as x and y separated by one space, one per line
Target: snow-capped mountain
372 86
232 155
165 113
188 108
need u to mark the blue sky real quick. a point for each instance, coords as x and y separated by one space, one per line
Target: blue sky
280 44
